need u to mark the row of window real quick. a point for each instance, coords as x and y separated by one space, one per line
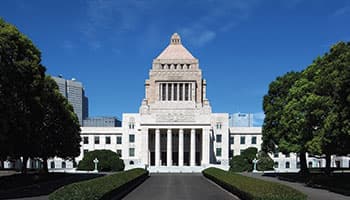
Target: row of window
108 139
243 140
175 66
119 152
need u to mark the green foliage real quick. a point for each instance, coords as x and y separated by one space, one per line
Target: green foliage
265 163
108 161
96 188
35 119
243 162
250 188
21 77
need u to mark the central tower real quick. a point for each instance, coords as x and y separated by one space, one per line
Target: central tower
175 81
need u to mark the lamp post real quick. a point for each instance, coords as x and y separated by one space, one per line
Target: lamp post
96 162
255 161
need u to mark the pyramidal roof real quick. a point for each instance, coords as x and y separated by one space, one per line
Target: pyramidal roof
175 50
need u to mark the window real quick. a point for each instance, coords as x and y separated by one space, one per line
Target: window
163 91
218 125
108 140
85 151
275 154
242 139
131 162
287 155
180 91
287 165
169 92
131 125
186 91
175 92
119 139
232 153
86 140
97 140
131 138
310 164
131 152
337 163
254 140
218 152
275 164
298 165
52 165
241 151
232 140
63 164
218 138
119 152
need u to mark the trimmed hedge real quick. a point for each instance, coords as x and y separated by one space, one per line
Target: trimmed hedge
101 188
248 188
108 161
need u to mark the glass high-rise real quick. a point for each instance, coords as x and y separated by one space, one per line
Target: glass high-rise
74 91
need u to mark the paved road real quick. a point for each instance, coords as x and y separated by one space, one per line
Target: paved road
312 193
178 186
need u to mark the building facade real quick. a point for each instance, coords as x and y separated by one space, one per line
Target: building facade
241 120
75 93
101 122
175 128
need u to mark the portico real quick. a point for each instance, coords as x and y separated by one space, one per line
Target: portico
178 146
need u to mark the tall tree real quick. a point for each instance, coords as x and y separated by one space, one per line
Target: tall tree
59 129
21 78
331 75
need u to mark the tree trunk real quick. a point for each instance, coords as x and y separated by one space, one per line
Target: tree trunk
45 167
24 165
303 164
328 163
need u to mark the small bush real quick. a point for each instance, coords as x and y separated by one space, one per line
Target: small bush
250 188
243 162
265 162
108 161
99 188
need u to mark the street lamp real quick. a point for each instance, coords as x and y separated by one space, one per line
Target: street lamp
96 162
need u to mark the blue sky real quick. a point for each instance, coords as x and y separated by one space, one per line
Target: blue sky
242 45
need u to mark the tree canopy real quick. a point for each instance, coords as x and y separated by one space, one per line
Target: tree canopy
35 119
309 111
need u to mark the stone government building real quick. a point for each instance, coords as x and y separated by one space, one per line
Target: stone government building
175 129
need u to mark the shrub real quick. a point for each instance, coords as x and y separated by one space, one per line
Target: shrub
108 161
243 162
265 162
99 188
250 188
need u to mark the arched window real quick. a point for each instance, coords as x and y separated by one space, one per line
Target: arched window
287 165
52 165
63 164
131 162
275 164
310 164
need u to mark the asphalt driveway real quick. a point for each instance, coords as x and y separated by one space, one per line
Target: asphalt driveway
178 186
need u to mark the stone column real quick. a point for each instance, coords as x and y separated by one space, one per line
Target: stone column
181 147
157 148
193 148
169 150
205 146
160 91
193 92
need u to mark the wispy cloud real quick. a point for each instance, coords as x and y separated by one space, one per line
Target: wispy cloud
67 45
106 17
220 16
341 11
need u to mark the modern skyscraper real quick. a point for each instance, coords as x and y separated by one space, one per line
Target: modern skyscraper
74 92
241 120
